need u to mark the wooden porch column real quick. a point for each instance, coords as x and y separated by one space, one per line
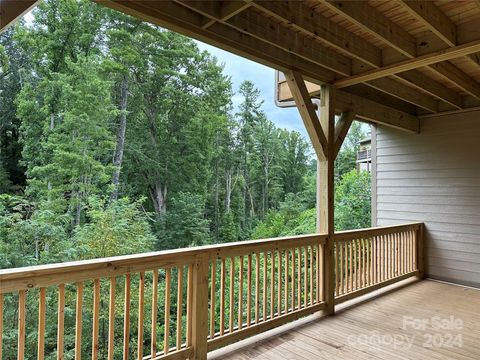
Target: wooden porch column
200 307
327 138
325 193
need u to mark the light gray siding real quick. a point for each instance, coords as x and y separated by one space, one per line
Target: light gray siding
434 177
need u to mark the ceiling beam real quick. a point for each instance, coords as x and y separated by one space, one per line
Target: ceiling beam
413 63
228 9
372 21
250 23
316 25
428 14
372 111
303 18
11 10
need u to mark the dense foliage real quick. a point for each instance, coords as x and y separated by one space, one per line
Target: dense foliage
117 136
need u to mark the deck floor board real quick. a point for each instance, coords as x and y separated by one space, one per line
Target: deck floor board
342 336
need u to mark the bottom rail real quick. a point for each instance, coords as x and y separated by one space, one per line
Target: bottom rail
225 340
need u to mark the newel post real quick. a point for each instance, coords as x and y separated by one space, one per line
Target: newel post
200 306
420 251
325 194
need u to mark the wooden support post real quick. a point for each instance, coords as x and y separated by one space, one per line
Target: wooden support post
420 251
200 307
325 192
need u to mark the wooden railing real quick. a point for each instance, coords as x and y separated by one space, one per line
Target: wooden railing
368 259
182 303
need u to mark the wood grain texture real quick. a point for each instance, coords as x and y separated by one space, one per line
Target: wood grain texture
328 338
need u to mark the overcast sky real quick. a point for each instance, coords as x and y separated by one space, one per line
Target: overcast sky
240 69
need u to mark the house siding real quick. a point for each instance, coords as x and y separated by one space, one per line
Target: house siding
434 177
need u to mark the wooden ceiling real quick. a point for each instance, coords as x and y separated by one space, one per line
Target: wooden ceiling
392 61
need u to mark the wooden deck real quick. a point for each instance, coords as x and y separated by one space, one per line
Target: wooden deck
345 335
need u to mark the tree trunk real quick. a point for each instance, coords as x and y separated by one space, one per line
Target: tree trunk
120 146
159 199
228 190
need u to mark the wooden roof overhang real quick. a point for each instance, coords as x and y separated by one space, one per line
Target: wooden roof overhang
390 61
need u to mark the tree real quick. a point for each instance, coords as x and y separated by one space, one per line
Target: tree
347 156
115 228
73 157
184 224
353 201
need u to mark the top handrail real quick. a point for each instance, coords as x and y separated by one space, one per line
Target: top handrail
375 231
74 271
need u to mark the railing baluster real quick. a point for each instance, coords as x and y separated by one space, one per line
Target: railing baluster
287 268
257 287
397 253
21 325
362 247
272 283
249 291
412 251
339 247
336 255
414 247
126 318
350 247
389 256
153 342
279 281
180 305
189 305
213 289
305 276
222 298
311 275
265 283
111 319
407 240
96 314
299 278
166 341
141 315
240 294
232 295
60 320
318 258
41 324
293 279
356 261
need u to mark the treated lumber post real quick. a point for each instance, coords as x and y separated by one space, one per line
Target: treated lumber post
325 193
200 307
420 251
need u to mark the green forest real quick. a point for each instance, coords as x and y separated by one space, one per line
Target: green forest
120 137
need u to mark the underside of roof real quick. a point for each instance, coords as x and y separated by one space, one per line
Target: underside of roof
390 61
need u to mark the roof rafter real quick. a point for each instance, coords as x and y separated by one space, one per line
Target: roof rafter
370 20
262 29
227 9
428 14
313 24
